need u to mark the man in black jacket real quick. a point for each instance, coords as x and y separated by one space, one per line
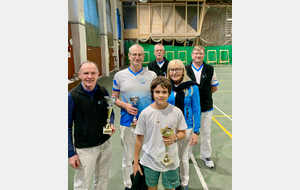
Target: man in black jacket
160 64
87 108
204 75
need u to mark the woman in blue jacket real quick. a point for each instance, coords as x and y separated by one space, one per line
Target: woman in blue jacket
185 95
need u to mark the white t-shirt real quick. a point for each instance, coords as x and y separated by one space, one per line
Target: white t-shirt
149 124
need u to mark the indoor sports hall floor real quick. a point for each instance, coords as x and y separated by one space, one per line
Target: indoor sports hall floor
201 177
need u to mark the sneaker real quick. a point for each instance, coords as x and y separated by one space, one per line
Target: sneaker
181 188
208 162
184 188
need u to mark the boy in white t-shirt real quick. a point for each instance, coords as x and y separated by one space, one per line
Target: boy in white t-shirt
148 130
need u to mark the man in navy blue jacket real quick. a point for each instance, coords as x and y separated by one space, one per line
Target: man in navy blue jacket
160 64
206 77
87 108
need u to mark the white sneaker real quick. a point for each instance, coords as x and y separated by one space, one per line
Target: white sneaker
208 162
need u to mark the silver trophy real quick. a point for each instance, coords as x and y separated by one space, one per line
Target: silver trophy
110 100
134 100
166 132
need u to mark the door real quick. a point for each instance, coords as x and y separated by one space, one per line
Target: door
71 69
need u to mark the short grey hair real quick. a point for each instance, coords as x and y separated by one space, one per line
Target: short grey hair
159 45
137 45
88 62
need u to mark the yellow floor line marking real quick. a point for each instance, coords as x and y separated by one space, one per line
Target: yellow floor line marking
222 112
222 127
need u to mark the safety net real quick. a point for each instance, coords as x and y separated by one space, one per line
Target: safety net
214 55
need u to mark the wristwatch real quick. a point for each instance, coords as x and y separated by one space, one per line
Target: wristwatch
197 133
176 138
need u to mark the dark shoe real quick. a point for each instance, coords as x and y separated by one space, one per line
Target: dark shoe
181 188
184 188
127 188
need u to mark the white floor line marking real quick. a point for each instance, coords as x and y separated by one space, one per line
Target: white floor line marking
199 173
222 112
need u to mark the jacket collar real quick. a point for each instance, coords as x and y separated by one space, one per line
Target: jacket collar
83 91
193 77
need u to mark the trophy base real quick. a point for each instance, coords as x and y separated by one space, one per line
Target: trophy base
133 123
167 162
107 131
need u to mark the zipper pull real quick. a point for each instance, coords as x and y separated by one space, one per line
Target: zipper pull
187 112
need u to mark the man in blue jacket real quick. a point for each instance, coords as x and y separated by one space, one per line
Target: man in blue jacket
87 108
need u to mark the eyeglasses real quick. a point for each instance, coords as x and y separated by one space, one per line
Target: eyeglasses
177 70
134 55
198 53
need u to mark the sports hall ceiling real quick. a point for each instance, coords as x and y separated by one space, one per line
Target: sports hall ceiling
212 2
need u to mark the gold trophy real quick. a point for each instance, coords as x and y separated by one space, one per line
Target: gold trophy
166 132
134 100
110 100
